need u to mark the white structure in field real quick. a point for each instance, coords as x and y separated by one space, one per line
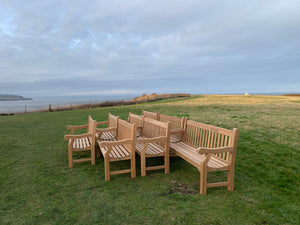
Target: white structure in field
246 94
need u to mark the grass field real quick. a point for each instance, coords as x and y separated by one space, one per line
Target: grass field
37 187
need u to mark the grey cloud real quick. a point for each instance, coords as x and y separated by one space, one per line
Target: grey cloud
167 43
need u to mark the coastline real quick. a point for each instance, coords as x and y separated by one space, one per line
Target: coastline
66 103
23 99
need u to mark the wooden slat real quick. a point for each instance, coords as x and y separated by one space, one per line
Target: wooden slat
155 168
84 142
191 155
80 143
115 152
210 127
82 160
218 184
120 172
152 149
81 150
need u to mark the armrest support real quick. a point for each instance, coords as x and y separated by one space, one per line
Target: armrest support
114 143
203 150
148 140
71 136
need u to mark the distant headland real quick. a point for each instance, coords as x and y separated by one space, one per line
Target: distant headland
4 97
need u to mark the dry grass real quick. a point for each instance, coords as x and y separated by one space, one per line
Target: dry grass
242 100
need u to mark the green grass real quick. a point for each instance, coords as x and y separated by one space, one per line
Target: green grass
37 187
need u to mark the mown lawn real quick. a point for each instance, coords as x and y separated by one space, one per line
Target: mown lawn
37 187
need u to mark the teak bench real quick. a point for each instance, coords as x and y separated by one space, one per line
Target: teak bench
82 142
208 148
153 141
121 148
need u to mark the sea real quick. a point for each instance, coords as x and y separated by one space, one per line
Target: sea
40 103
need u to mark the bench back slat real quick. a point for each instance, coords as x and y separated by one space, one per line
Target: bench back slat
203 135
133 118
113 122
152 115
92 124
153 128
127 131
175 122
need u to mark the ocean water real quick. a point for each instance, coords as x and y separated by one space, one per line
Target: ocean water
43 102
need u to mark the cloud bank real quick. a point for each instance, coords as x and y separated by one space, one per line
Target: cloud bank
62 47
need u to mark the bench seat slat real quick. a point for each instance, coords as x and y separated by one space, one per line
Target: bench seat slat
81 143
152 149
190 154
117 152
107 136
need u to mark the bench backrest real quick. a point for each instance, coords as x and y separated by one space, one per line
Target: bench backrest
138 120
113 122
127 131
152 115
203 135
175 122
153 128
91 129
133 118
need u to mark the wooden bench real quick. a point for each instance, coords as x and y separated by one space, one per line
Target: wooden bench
82 142
154 142
121 148
209 148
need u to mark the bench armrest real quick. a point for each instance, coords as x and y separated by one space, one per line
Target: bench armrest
203 150
76 127
101 130
102 122
114 143
149 140
177 131
72 136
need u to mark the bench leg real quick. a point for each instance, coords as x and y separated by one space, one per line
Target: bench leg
203 180
98 151
133 166
106 168
70 156
167 163
143 164
93 156
230 180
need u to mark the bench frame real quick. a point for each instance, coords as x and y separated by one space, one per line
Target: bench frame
209 148
124 144
110 132
153 141
82 142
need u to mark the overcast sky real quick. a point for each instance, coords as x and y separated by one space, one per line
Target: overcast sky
84 47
